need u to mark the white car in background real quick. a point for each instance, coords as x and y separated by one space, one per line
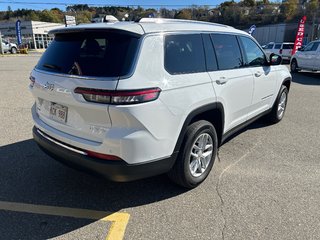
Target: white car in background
307 58
9 47
283 49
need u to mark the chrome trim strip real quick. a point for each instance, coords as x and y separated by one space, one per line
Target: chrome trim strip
267 97
60 144
76 76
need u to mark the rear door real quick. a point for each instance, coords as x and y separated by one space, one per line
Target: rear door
317 59
92 60
233 84
264 77
312 56
304 57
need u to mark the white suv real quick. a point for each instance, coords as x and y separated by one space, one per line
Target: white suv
283 49
132 100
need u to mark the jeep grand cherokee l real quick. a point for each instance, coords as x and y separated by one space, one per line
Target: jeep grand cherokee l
132 100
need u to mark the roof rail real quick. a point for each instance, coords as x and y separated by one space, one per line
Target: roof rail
171 20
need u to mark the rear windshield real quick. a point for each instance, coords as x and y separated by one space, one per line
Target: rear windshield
90 54
287 46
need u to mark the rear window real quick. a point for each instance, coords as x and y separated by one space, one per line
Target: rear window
90 54
287 46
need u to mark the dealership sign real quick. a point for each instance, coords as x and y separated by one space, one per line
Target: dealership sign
300 33
70 20
18 32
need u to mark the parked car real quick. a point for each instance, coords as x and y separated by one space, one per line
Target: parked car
133 100
283 49
9 47
307 58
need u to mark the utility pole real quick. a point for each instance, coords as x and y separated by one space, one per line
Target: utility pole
1 49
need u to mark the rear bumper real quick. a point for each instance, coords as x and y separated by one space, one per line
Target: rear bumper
114 170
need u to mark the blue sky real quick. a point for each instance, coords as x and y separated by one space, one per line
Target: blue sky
48 4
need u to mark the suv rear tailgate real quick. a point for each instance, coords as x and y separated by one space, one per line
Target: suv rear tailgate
90 60
55 96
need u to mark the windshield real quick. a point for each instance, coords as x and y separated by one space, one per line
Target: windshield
90 54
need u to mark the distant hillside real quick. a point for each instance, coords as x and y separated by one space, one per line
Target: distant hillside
240 15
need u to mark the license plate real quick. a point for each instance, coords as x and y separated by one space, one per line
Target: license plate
58 112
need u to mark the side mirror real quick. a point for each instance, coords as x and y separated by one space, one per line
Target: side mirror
275 59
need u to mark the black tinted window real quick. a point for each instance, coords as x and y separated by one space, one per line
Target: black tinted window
253 54
184 54
277 46
315 46
94 54
270 46
227 51
211 60
287 46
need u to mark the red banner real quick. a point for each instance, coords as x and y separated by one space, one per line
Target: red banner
300 34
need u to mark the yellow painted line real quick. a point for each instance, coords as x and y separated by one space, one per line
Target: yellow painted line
118 227
119 220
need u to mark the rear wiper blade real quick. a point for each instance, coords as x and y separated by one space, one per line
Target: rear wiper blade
52 66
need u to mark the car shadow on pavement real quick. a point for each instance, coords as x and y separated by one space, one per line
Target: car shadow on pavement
259 123
306 78
27 175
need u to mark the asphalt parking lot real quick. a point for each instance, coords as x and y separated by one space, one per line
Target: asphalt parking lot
265 184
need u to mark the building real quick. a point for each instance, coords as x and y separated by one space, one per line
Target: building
34 33
284 32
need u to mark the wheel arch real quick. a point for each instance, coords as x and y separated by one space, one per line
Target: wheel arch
287 82
213 113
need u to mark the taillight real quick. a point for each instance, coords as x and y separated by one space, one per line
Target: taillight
32 81
280 51
119 97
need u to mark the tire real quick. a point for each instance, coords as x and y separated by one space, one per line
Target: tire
279 107
198 137
294 66
13 50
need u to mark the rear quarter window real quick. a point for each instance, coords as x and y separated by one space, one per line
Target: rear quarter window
95 54
184 53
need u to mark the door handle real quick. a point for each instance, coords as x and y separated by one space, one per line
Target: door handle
258 74
222 80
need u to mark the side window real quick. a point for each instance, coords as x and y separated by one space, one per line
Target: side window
184 54
315 46
227 51
287 46
253 54
277 46
308 47
211 60
270 46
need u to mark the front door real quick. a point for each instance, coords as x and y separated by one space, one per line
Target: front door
264 77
